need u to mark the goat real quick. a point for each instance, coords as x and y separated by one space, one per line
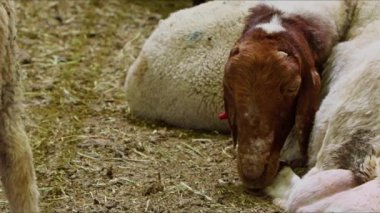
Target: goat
272 83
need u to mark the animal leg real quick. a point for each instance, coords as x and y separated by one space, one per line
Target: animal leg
316 185
17 173
364 198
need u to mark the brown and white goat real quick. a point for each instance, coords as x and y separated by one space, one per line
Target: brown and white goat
272 83
16 168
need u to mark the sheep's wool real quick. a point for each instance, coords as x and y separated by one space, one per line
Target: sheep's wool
177 78
346 133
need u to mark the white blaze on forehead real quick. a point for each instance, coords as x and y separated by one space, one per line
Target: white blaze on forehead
274 26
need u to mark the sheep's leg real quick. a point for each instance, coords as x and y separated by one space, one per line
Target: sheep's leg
364 198
17 173
316 185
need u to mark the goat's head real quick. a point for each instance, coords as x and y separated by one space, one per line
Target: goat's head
270 85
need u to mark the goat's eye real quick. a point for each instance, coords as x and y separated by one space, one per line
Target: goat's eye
293 87
291 90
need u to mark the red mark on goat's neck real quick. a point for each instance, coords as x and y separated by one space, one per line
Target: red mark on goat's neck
223 116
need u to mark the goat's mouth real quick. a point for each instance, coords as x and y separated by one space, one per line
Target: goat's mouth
256 174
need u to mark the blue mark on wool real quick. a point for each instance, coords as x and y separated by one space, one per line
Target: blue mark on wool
195 36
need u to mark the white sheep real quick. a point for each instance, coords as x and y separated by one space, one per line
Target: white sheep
16 168
177 77
338 68
345 141
349 135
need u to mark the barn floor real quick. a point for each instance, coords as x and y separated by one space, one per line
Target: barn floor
90 154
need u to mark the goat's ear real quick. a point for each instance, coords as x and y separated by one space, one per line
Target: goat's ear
233 127
319 39
230 111
307 105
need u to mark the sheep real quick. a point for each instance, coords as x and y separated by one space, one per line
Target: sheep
16 168
348 123
344 147
366 12
177 77
271 81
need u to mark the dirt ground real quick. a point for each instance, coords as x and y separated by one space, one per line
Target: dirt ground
90 153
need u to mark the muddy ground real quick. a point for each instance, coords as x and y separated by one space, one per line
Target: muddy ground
90 153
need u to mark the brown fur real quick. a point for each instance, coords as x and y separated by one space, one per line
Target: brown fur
276 90
16 168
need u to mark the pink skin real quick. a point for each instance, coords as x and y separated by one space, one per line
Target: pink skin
364 198
317 185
